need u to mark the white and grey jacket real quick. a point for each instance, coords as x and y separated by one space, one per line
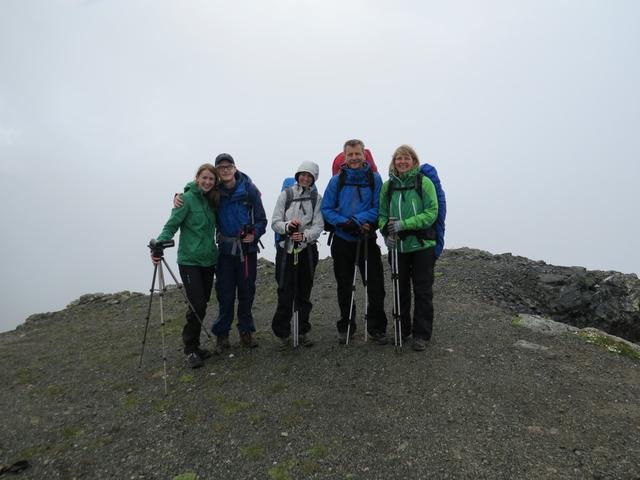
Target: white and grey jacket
311 220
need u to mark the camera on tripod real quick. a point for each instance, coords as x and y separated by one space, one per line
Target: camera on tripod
157 248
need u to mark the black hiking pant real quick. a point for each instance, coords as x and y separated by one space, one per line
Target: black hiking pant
295 282
198 282
417 268
343 253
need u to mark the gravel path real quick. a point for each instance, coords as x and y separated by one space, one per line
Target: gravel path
473 405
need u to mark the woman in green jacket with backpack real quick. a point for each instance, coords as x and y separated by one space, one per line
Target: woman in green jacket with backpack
407 214
197 253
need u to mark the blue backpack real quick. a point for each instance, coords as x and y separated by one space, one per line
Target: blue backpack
431 172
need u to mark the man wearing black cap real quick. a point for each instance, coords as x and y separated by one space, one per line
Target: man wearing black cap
241 223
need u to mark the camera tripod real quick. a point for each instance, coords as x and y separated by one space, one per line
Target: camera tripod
158 273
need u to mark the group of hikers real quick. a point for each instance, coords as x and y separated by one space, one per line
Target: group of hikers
221 219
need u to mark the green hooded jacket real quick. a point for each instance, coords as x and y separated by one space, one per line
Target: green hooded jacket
407 206
197 223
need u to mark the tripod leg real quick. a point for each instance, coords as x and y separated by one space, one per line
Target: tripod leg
163 289
146 323
179 286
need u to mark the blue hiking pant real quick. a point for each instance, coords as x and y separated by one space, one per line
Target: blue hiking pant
235 275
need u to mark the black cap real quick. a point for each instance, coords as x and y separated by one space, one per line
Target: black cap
224 157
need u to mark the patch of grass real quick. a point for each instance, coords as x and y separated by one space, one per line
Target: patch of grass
71 432
54 390
609 344
281 471
301 403
220 428
173 327
515 321
186 476
309 467
187 378
277 387
438 274
319 450
160 406
291 420
253 452
29 453
26 376
131 401
257 418
233 406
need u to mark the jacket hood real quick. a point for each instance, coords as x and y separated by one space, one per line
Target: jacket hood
309 167
192 186
411 173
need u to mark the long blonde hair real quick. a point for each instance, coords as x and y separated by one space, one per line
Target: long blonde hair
212 195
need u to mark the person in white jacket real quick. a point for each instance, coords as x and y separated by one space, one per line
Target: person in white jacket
298 220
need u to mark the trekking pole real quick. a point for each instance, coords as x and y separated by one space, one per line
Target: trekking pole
296 310
353 290
395 285
365 281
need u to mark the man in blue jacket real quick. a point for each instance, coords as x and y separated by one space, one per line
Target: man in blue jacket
350 207
241 223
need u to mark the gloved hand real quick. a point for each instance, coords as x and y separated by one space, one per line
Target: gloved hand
394 227
350 226
390 242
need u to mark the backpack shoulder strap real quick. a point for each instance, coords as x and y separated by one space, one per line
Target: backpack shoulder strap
419 178
289 199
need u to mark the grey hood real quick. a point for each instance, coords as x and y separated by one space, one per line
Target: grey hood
310 167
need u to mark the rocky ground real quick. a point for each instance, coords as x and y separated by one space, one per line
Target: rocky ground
488 399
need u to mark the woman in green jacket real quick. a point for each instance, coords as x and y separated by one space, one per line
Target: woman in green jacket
197 253
408 211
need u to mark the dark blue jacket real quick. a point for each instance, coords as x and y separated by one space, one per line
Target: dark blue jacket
239 207
357 200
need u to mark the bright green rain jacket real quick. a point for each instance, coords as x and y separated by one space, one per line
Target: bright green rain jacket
197 223
406 205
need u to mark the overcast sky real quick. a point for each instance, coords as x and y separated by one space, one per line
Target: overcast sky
529 109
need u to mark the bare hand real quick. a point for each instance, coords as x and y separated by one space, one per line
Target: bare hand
297 237
249 238
155 260
177 200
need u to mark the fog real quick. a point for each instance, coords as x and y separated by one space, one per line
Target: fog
529 110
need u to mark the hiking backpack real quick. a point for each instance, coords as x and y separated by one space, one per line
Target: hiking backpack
436 230
339 161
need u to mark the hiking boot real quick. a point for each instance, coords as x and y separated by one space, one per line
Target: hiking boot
193 360
222 343
305 341
284 344
342 338
247 341
203 353
418 344
379 338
